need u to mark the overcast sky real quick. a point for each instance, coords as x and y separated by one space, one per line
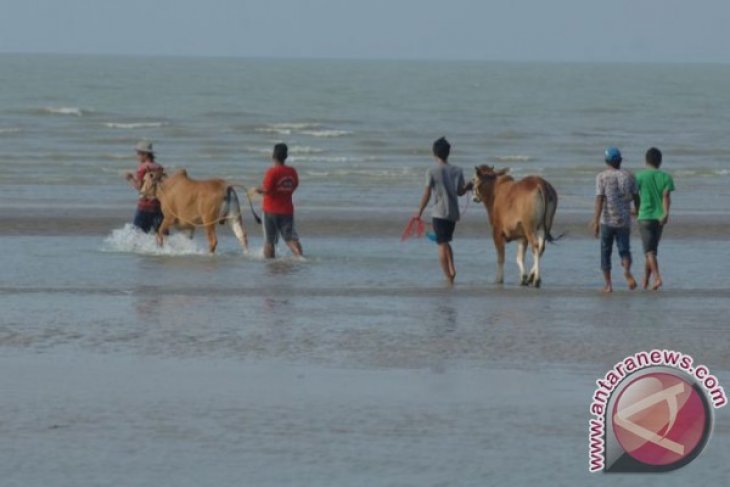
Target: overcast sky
509 30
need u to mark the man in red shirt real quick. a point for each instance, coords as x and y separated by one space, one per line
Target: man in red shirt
280 182
148 215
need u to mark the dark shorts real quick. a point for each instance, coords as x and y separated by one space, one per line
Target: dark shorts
651 234
275 225
148 220
444 230
622 237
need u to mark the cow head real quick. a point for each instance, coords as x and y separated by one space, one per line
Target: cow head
148 189
484 180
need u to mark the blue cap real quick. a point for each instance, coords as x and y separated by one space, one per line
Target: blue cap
613 155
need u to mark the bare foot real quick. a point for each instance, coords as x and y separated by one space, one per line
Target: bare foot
657 285
645 281
608 289
630 280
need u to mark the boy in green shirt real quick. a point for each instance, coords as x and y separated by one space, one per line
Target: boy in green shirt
653 212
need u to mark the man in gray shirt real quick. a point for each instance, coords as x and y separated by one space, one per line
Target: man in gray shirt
446 183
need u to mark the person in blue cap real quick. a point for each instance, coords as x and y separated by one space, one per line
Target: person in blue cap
615 190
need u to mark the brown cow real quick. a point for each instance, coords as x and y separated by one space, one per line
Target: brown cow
518 210
188 204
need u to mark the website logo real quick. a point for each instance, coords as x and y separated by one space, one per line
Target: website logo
653 412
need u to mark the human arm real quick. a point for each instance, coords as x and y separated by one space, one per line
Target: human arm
666 203
598 206
267 184
425 198
463 188
595 223
637 205
135 179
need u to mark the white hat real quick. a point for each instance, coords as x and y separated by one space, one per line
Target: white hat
144 146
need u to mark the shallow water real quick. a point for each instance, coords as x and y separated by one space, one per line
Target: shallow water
357 366
126 364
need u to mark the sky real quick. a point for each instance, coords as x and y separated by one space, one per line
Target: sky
495 30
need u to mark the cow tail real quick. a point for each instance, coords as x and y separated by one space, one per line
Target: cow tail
231 207
550 204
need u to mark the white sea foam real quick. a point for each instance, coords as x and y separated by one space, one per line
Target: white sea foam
340 159
274 130
303 149
130 239
311 129
513 158
295 126
133 125
325 133
10 130
78 112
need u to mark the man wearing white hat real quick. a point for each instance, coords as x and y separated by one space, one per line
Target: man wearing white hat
148 215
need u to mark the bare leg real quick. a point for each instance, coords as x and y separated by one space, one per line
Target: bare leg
446 260
654 266
626 263
608 288
452 267
269 252
295 247
647 274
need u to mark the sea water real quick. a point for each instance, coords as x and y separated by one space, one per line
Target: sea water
124 363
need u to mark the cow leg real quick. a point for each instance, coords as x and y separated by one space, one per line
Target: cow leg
164 229
240 230
521 248
499 246
212 239
534 277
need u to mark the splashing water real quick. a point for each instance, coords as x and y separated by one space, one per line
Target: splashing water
130 239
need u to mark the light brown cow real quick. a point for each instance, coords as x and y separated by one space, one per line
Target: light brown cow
518 210
188 204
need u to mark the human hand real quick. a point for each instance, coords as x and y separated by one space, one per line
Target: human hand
664 220
595 228
129 176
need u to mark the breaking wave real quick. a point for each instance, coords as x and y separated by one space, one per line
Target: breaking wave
75 111
134 125
325 133
311 129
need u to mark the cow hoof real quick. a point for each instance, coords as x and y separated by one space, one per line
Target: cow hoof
531 278
537 283
499 281
524 281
